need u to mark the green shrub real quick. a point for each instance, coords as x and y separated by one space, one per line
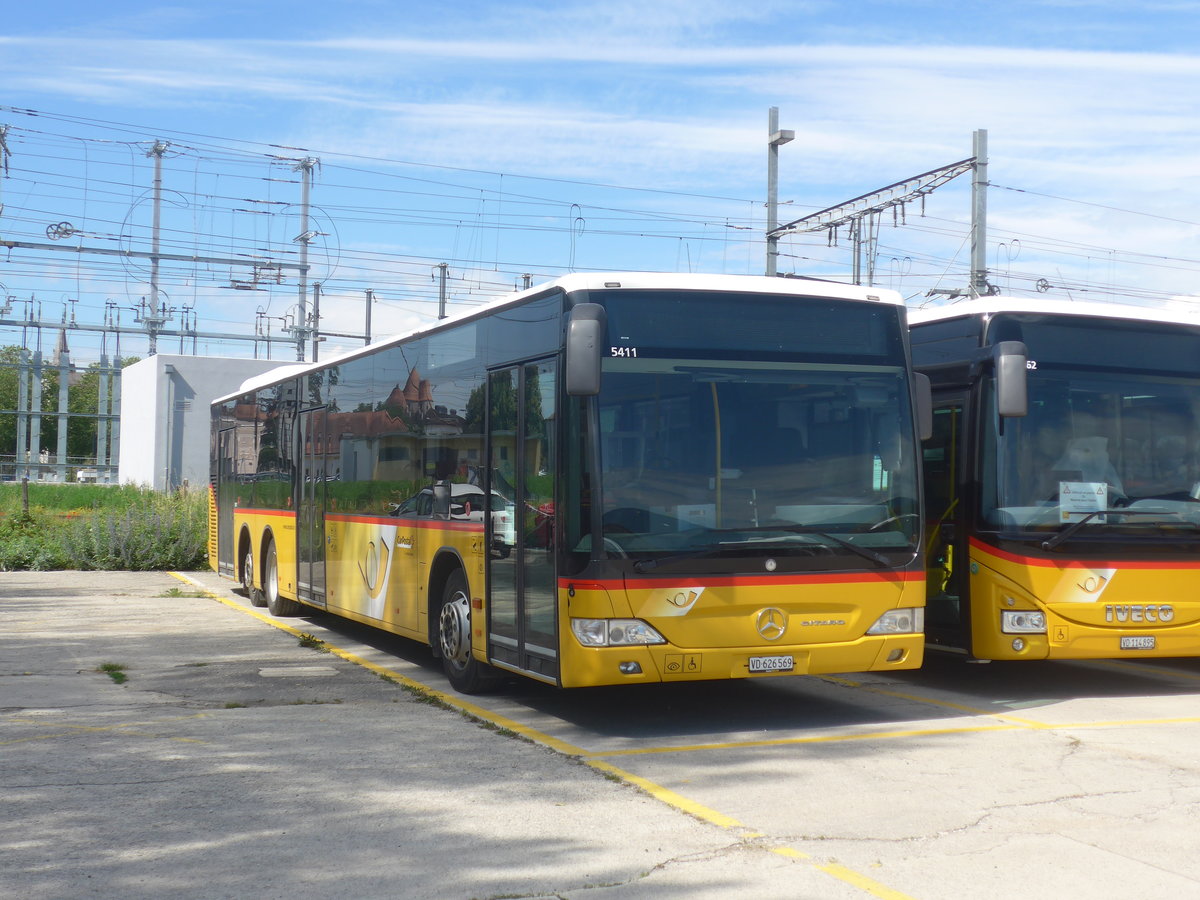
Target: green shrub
125 528
31 541
157 531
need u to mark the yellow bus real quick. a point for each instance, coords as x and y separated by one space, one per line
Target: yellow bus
1062 481
607 479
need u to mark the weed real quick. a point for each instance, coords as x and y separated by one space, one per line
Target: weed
335 701
312 642
235 705
180 592
115 671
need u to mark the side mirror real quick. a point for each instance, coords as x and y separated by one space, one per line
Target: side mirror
585 337
923 398
441 500
1012 398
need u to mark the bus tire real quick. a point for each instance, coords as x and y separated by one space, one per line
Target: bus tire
254 594
276 605
466 674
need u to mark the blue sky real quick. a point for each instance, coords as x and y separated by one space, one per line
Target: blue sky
508 139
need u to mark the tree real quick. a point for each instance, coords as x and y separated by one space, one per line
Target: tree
82 403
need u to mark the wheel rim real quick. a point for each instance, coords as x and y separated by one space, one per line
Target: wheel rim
454 630
272 585
248 571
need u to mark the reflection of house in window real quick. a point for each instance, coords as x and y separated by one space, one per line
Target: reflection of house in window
246 417
406 437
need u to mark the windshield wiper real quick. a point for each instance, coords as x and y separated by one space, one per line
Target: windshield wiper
864 552
1052 542
645 565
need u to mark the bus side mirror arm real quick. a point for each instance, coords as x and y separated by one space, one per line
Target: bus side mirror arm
585 337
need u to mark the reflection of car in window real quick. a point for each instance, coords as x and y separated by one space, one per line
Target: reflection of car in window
468 503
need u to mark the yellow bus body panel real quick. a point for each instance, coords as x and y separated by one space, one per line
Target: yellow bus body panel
213 561
1089 605
280 525
378 569
712 626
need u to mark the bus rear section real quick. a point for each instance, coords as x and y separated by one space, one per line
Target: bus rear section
1062 480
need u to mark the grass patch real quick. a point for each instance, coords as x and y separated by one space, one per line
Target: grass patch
312 642
94 527
334 702
115 671
181 592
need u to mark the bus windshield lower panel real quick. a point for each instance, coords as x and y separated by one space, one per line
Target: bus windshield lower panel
716 465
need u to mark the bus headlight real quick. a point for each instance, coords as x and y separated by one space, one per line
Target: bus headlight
614 632
1022 621
900 621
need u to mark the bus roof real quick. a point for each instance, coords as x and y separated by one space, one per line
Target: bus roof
989 306
262 379
596 281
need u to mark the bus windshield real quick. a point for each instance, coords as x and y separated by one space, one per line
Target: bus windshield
1100 452
735 464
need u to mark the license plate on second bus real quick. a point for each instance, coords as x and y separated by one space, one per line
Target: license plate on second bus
772 663
1138 642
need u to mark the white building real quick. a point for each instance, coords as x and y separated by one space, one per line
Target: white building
165 418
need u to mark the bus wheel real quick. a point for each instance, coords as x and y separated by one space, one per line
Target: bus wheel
467 674
255 595
276 605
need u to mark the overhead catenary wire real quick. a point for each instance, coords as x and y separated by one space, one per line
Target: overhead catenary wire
386 220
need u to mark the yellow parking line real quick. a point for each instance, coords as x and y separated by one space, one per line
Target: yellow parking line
816 739
660 793
1143 668
69 729
669 797
931 701
841 873
440 696
1122 723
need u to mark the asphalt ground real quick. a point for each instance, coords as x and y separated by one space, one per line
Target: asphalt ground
234 761
247 756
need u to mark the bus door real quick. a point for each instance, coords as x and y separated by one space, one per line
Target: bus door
226 493
310 510
945 529
523 597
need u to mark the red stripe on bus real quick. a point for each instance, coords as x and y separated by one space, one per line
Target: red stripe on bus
743 580
252 511
1061 563
429 524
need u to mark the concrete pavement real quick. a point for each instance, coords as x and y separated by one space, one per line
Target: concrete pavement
235 762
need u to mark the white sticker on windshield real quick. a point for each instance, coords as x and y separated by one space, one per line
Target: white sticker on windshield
1076 499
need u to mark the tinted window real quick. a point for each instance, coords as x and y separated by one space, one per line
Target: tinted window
664 324
1107 343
